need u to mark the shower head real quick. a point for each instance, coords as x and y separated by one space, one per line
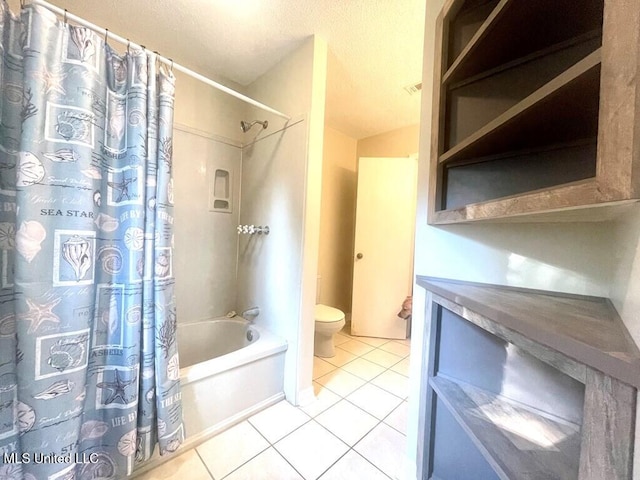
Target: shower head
246 126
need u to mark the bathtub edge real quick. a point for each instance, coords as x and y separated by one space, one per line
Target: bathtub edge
192 442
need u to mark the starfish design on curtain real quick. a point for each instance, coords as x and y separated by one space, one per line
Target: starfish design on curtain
52 81
123 188
116 388
39 313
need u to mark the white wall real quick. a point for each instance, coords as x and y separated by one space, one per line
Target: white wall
337 220
579 258
625 287
297 87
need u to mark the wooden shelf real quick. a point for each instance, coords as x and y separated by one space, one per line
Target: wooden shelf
513 30
573 93
468 20
476 40
593 36
502 212
585 329
473 103
517 441
550 200
514 82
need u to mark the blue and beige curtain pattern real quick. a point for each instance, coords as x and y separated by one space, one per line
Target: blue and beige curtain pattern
88 357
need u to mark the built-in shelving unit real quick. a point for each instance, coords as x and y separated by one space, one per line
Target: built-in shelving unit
526 95
527 384
512 437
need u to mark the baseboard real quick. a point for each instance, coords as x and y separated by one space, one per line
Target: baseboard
191 442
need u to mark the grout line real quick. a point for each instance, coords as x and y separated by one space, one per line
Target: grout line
341 397
204 463
288 462
351 448
260 452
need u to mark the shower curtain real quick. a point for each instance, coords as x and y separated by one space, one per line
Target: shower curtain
88 359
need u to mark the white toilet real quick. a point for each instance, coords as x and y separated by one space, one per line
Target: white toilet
329 321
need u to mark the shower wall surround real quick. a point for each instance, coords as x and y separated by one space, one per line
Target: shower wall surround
272 194
276 175
206 241
206 138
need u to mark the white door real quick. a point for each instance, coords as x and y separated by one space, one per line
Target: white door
383 256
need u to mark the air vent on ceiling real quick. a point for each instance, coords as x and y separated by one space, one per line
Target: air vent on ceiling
413 88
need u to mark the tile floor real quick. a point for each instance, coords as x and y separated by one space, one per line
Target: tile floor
356 429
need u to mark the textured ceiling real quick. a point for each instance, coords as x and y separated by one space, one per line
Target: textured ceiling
375 46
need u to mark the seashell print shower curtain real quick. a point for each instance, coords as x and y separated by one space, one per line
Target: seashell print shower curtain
88 358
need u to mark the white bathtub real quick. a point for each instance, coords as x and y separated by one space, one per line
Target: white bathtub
225 376
230 370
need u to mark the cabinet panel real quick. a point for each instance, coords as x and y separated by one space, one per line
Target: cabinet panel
455 457
518 173
473 104
469 354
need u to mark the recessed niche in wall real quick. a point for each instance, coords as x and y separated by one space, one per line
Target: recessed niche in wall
220 191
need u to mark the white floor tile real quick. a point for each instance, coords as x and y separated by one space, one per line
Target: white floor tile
339 339
351 467
406 342
325 398
278 420
393 382
363 368
382 358
341 357
311 450
321 367
374 400
187 465
227 451
347 422
402 367
356 347
340 382
373 341
398 418
396 349
269 465
386 448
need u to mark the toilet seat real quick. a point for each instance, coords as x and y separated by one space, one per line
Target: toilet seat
326 314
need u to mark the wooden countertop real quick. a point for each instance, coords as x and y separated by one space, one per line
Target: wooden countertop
586 329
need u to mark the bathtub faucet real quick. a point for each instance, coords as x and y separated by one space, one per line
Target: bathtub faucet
251 313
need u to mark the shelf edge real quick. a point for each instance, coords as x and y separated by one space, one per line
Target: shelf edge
550 200
484 29
551 87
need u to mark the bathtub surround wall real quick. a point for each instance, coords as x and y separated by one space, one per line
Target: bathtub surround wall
206 241
585 258
206 137
277 183
297 86
210 111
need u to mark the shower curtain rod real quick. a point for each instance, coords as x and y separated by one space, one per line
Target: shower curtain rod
64 13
